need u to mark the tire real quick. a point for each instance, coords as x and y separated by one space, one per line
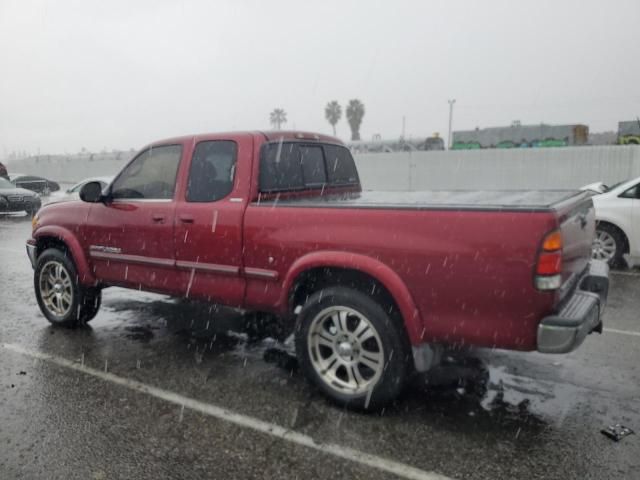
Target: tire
338 330
62 300
91 303
31 211
609 245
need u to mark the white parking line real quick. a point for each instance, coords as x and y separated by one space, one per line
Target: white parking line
625 274
383 464
623 332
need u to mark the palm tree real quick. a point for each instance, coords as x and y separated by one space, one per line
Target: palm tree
278 117
333 112
355 112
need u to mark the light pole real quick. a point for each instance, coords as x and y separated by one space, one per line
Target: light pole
451 102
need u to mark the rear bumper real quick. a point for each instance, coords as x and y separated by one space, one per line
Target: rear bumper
582 313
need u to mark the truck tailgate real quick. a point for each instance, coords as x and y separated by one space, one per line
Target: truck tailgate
576 217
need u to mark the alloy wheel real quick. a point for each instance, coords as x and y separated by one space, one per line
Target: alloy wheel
345 350
604 246
56 288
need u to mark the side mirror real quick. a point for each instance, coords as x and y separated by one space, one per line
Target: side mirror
91 192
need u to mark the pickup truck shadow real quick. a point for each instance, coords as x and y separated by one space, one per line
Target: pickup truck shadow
463 393
200 321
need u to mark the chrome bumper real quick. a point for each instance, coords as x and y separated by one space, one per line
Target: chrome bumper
31 253
581 314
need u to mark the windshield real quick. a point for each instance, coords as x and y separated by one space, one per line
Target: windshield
616 185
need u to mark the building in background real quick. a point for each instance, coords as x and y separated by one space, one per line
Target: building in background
629 132
603 138
521 136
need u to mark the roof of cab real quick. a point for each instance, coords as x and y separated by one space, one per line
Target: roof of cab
270 136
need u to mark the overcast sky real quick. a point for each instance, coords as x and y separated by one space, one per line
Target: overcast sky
119 74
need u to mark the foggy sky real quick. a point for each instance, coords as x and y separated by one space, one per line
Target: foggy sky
120 74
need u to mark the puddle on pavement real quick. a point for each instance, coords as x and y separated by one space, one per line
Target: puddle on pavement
465 388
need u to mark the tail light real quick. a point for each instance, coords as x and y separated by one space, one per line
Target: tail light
549 263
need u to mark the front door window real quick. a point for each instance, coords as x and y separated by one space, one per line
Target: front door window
151 176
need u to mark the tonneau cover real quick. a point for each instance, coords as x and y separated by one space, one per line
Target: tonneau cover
532 200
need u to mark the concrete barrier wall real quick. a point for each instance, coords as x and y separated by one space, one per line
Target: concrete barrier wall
71 169
544 168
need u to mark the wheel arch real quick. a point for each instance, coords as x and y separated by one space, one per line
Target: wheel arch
58 237
625 237
330 268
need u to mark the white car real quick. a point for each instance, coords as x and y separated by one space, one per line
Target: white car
618 221
73 193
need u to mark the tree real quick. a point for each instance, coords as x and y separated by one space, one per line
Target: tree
333 112
278 117
355 113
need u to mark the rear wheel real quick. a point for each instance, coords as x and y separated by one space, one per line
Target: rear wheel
608 244
351 349
62 300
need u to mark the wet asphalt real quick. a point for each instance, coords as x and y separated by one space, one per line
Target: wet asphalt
483 415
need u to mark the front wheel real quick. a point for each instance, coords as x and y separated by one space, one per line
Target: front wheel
351 349
608 245
62 300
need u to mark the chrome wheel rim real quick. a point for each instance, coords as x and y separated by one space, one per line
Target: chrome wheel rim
604 246
345 350
56 288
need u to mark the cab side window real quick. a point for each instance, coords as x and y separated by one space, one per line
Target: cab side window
212 171
152 175
340 166
280 167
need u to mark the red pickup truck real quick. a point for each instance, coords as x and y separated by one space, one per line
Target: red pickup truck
373 285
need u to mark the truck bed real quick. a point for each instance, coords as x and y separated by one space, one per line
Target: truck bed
502 200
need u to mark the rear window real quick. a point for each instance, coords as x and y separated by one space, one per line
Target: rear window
295 166
313 168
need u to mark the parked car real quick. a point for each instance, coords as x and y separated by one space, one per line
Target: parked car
36 184
3 171
618 222
371 284
73 193
14 199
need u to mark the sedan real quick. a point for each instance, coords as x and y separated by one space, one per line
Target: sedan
34 183
14 199
618 222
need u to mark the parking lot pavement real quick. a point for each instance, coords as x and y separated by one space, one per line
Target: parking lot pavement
157 388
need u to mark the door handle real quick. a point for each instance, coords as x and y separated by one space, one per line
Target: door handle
157 218
185 218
